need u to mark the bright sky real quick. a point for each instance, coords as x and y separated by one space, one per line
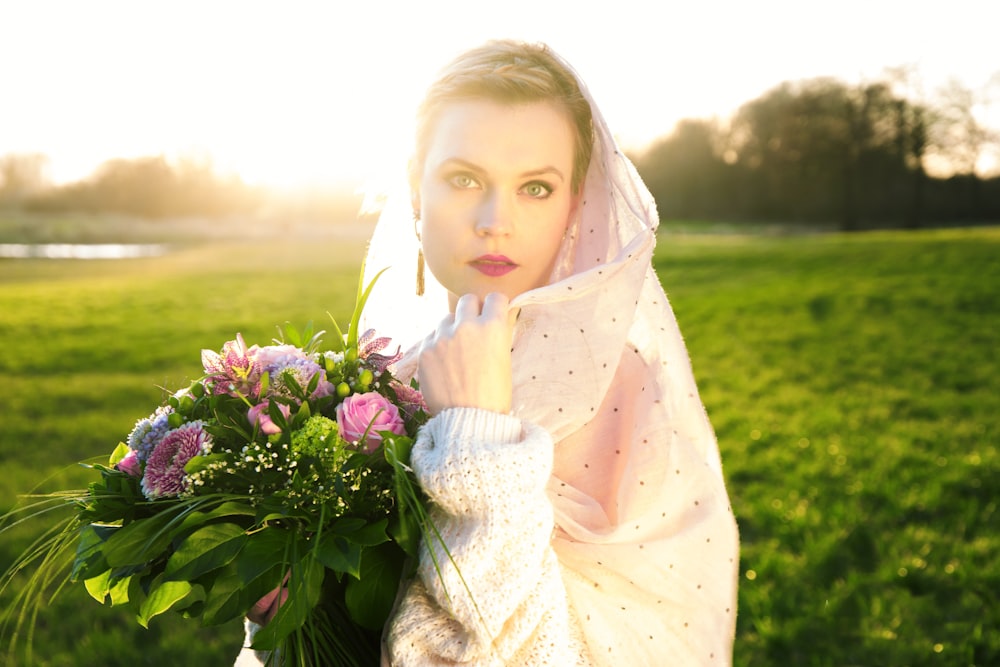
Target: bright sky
293 93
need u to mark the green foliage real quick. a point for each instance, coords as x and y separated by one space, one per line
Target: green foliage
853 384
852 380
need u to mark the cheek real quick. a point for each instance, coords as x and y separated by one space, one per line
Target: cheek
555 227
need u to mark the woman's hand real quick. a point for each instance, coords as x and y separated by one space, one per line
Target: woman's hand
264 610
465 363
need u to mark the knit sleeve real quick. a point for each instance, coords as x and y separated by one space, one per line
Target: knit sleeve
495 596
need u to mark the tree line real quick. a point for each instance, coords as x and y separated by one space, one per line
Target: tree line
823 151
156 188
814 151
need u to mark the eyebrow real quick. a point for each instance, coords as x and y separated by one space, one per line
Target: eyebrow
527 174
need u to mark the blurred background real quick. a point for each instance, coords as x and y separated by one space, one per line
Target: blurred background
859 114
828 178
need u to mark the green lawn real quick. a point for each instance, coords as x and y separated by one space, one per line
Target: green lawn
852 381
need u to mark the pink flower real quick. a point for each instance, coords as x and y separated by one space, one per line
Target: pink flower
410 399
130 465
235 371
370 348
164 474
369 412
258 416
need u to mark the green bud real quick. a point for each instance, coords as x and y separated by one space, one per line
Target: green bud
365 378
343 390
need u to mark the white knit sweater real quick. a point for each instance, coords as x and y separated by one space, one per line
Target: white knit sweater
499 599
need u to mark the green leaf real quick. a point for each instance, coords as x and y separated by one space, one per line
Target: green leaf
90 560
263 550
368 535
304 588
359 306
370 598
274 412
292 336
338 336
406 532
119 590
204 550
99 586
139 541
227 509
199 463
109 583
165 596
121 451
340 554
223 602
304 412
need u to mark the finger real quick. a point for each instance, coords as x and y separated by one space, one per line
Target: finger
443 327
496 306
467 308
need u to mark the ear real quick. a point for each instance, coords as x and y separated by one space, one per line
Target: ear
414 179
415 203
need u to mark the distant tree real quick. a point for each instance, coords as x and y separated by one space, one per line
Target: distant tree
685 171
823 150
152 187
793 143
963 138
23 176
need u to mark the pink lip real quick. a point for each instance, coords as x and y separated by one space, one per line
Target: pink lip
493 265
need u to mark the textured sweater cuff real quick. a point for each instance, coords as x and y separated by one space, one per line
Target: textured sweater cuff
490 428
471 461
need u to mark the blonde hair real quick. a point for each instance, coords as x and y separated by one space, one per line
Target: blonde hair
508 72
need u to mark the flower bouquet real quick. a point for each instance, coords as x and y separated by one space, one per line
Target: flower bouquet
284 468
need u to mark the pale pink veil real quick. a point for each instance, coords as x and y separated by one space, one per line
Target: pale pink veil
645 535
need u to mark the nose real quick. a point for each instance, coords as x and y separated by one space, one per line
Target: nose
494 217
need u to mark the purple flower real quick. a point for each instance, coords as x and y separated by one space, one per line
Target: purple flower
130 465
369 412
148 432
235 371
164 474
273 356
370 348
301 370
258 416
410 399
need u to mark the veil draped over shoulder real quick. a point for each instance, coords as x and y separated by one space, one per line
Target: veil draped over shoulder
645 536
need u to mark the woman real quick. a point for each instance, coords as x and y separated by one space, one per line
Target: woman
575 476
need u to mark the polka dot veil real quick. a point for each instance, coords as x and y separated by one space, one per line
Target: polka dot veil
646 539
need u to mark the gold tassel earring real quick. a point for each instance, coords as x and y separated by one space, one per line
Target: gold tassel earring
420 271
420 252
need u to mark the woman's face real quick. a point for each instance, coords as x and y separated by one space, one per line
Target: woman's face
495 196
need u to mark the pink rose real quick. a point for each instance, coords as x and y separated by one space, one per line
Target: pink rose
258 416
369 412
130 465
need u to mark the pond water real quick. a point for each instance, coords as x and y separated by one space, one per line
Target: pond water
80 250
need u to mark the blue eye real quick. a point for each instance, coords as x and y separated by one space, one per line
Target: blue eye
537 190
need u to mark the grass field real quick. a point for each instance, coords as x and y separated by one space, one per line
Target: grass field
852 380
